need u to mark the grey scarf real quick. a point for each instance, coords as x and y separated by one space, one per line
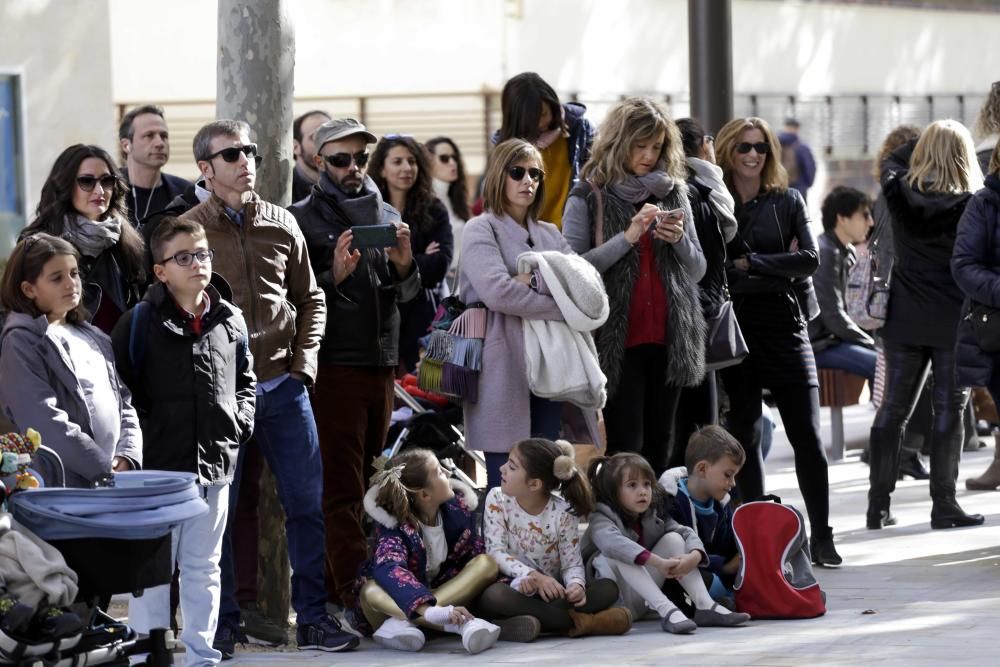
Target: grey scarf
91 237
710 175
657 183
365 208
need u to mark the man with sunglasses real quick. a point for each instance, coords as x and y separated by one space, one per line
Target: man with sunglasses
145 141
360 351
260 252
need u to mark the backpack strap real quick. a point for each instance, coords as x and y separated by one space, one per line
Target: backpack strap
138 333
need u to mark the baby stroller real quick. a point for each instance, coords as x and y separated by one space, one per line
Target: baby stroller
117 538
434 431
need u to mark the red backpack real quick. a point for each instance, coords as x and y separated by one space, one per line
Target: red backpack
775 578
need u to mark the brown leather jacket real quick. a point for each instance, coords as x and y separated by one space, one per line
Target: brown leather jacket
267 266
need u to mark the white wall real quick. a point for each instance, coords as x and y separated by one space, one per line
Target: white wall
63 49
349 47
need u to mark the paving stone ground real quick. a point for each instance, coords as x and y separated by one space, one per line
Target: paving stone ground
906 595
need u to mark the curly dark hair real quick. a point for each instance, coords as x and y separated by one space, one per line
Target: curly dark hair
56 202
421 196
458 192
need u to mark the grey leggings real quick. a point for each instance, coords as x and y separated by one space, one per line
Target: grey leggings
501 601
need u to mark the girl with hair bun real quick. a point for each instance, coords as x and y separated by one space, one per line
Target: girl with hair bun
429 561
534 537
631 539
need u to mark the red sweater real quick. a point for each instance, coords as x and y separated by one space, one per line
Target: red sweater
647 312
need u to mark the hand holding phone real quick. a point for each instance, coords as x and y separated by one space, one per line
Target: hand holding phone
382 235
669 226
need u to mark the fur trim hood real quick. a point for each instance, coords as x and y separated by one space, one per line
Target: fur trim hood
670 481
464 494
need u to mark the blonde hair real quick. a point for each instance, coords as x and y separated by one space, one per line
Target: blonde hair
773 178
504 156
399 479
631 121
944 160
988 120
898 136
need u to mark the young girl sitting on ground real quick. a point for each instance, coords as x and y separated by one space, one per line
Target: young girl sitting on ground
58 370
429 562
534 537
632 540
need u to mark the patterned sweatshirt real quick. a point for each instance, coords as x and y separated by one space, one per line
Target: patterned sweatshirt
520 542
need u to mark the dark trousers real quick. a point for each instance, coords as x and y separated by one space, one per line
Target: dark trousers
799 408
905 373
639 417
246 533
353 405
546 422
698 407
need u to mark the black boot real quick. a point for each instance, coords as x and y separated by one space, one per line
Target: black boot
911 465
946 449
883 445
822 550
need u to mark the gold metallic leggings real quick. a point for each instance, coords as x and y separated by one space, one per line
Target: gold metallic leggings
462 590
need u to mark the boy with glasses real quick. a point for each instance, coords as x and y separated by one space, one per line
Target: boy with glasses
183 352
260 252
360 350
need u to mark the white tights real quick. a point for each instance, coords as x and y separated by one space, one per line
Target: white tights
640 585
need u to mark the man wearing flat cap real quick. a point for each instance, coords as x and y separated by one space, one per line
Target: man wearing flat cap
363 282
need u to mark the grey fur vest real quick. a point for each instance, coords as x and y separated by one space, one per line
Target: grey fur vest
685 347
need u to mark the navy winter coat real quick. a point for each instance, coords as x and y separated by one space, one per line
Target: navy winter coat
975 265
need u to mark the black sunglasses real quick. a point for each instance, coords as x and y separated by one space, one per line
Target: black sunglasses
184 258
87 182
343 160
517 173
232 154
762 148
445 158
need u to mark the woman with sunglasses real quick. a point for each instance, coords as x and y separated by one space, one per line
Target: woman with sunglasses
532 111
448 171
632 220
399 168
770 262
927 186
506 411
83 201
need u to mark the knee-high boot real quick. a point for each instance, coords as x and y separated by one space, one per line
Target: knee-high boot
946 449
883 446
990 479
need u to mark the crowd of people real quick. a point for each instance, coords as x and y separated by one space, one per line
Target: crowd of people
275 337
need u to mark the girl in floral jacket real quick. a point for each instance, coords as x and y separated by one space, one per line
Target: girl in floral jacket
429 559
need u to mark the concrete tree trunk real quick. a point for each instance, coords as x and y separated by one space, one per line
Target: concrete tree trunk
254 84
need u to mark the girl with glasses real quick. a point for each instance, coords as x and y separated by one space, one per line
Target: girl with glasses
632 220
506 411
770 262
448 172
400 170
83 202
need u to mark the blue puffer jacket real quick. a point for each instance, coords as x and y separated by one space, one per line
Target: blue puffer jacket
975 265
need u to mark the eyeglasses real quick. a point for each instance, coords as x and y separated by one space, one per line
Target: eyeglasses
232 154
184 258
397 136
517 173
343 160
762 148
445 158
87 182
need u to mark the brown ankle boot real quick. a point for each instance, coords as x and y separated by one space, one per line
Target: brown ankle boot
613 621
990 479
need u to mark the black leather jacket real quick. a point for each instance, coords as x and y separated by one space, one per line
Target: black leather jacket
834 325
768 225
362 323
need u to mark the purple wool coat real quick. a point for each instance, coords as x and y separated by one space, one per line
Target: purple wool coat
490 247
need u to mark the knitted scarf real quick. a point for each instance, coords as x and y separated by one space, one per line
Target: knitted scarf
91 237
722 201
685 347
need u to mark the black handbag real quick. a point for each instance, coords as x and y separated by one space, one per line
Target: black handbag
724 342
984 322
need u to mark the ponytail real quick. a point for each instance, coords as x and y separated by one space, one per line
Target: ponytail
398 479
554 464
608 473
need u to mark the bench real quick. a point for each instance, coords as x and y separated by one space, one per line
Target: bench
838 389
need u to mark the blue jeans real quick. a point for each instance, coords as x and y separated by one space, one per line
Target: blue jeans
285 431
546 422
851 357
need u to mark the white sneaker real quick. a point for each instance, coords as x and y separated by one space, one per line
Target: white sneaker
479 635
399 635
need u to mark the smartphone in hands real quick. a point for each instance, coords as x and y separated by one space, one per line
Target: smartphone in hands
382 235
